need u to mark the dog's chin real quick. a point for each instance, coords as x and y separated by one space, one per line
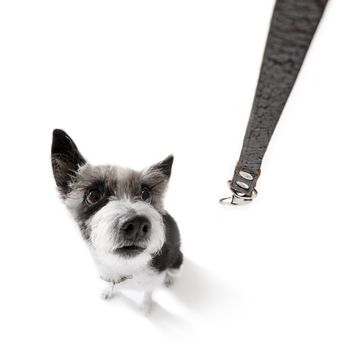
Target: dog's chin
129 251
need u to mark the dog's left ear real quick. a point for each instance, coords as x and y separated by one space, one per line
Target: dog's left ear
164 167
65 158
157 176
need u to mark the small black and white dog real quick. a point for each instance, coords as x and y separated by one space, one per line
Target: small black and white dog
134 241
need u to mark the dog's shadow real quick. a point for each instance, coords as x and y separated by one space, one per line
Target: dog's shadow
197 290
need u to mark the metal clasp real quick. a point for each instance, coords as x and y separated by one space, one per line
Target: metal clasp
238 198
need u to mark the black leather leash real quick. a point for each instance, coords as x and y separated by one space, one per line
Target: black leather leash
292 28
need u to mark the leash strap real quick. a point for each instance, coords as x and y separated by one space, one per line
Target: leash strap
292 28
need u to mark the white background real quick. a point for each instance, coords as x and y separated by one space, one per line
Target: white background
131 82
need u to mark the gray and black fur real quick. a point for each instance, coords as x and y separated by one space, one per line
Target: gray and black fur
120 214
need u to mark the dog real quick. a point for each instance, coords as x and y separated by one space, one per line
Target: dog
135 243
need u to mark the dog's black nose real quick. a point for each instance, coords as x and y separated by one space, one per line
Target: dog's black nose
136 227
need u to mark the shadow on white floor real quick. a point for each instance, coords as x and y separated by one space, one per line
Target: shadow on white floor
199 291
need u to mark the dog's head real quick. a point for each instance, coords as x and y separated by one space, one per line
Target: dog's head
118 210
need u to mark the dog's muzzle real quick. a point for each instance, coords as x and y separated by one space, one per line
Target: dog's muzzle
133 233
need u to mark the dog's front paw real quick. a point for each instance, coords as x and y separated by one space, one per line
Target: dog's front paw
146 308
168 281
147 304
107 294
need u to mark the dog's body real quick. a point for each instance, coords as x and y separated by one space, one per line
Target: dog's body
134 241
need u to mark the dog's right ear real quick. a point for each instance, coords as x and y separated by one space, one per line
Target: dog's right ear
66 160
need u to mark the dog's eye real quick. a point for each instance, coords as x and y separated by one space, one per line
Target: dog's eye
146 195
93 196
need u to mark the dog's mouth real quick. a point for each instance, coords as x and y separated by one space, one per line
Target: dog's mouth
129 250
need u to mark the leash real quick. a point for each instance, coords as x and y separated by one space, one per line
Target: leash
292 27
120 280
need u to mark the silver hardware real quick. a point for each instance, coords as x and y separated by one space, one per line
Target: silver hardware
238 198
242 184
246 175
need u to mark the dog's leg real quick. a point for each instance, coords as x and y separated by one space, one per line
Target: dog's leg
170 276
168 280
108 291
147 303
